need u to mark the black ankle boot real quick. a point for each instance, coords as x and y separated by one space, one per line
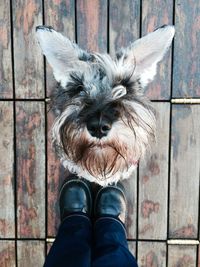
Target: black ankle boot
75 197
111 202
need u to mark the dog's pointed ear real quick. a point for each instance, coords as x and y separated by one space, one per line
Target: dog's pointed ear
62 54
143 55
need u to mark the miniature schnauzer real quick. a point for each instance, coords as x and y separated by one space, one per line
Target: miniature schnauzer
104 122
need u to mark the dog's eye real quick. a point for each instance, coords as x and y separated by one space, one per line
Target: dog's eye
80 90
82 93
73 90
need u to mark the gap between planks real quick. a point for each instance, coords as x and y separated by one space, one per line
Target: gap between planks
173 100
169 241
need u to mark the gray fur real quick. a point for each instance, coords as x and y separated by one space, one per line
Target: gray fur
93 84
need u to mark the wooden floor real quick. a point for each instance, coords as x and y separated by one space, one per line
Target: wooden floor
163 196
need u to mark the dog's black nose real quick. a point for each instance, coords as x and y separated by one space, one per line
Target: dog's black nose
98 127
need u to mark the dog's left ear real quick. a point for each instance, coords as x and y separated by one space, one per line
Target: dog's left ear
143 55
62 54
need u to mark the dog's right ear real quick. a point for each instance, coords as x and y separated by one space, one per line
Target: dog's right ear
143 55
62 54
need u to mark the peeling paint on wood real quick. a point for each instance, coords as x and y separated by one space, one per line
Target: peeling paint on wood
92 24
28 60
185 169
130 186
56 175
30 169
7 253
156 13
152 254
6 88
124 21
184 256
154 180
49 245
186 82
7 213
61 16
132 247
92 28
30 253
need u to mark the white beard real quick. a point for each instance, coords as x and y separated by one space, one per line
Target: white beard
130 144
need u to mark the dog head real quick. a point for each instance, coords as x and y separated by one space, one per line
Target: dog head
104 121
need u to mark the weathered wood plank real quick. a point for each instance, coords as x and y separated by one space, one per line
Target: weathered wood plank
30 142
49 245
156 13
132 247
154 180
7 253
28 60
182 256
7 209
185 169
130 186
30 253
152 254
124 22
56 175
61 16
92 24
186 79
6 90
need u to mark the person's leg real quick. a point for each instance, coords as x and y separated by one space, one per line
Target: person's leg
111 248
72 247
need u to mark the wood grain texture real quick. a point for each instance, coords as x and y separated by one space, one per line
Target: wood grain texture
132 247
153 181
7 209
49 245
185 169
6 88
152 254
92 24
184 256
156 13
30 142
61 16
186 79
130 186
28 60
7 253
30 253
56 174
124 22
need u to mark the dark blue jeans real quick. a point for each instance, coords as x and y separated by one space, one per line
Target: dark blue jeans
78 244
